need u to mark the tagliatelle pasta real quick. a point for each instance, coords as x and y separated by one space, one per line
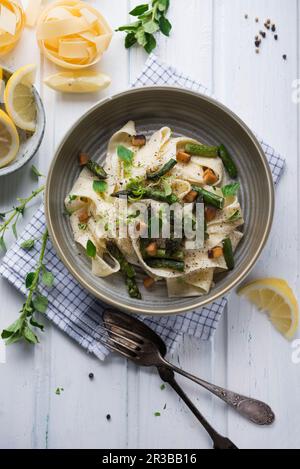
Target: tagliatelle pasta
12 21
147 172
73 34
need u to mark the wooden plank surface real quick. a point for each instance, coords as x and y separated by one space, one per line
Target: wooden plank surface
212 42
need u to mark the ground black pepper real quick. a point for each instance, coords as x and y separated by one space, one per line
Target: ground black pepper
108 417
91 375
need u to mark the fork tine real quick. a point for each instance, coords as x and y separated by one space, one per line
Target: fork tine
112 332
123 329
114 349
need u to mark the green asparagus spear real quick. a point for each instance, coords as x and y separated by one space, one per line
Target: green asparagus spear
228 162
201 150
164 170
166 263
96 169
228 253
163 254
126 269
149 193
210 198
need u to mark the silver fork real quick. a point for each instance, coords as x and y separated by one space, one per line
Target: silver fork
134 340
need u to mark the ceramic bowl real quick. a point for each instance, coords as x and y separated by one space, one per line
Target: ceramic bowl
187 113
28 145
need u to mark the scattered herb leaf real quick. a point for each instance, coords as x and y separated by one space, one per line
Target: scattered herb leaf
35 172
231 189
157 414
99 186
125 154
91 249
28 244
162 387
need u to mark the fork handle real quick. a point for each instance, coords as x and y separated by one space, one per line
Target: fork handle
256 411
220 442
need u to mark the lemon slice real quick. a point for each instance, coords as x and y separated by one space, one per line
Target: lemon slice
78 82
19 98
275 297
9 140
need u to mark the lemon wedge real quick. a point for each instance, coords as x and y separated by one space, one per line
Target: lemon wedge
274 297
19 99
78 82
9 140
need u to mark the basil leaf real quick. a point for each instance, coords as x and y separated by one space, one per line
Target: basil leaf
91 249
99 186
130 40
151 43
47 278
28 244
139 10
230 189
35 172
165 26
30 336
29 279
151 27
125 154
40 303
16 337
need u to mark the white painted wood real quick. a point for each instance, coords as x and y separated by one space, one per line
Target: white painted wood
213 42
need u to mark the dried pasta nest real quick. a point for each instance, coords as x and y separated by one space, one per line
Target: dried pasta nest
12 22
73 34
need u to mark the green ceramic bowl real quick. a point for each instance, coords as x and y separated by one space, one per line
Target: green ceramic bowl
187 113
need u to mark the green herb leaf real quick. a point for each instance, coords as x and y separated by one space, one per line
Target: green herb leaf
28 244
125 154
34 323
12 329
40 303
99 186
47 278
130 40
163 5
30 336
2 216
151 43
162 387
35 172
231 189
29 279
14 229
139 10
157 414
165 26
151 27
2 244
235 216
141 37
130 27
82 226
91 249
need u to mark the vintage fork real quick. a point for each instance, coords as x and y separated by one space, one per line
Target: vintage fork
136 341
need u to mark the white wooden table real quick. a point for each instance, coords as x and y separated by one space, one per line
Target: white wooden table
214 43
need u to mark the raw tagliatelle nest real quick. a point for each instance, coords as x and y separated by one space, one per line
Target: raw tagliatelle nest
12 22
73 34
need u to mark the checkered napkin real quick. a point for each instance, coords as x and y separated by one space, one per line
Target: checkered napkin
71 307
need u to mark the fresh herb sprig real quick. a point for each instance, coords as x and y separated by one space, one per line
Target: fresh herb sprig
150 18
10 218
22 328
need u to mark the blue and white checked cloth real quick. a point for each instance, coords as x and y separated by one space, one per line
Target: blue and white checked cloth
71 307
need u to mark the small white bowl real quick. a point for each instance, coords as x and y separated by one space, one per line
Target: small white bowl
30 145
